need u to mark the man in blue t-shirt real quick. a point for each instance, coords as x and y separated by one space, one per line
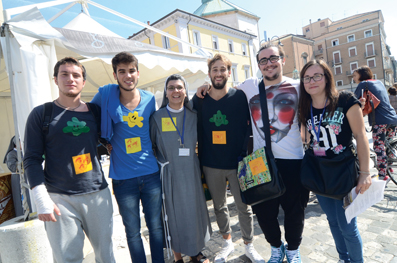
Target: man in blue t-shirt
133 167
223 124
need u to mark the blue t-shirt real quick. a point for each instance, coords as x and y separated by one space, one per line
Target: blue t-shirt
132 155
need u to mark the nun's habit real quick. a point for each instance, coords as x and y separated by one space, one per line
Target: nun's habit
184 206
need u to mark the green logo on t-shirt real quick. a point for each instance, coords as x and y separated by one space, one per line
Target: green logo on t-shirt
76 127
219 119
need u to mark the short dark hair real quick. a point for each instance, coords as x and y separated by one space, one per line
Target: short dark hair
222 58
364 72
392 91
69 60
270 45
124 58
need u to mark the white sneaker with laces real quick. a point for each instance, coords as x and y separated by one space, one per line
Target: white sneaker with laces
293 256
226 250
251 253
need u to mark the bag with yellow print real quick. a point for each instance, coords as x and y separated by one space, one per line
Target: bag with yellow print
253 170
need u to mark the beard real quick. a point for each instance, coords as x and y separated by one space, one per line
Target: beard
127 89
71 94
274 77
219 85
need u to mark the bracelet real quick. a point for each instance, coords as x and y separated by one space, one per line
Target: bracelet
361 172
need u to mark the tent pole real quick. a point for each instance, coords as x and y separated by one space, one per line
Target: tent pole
60 13
24 186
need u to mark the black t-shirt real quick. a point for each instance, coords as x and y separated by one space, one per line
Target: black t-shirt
222 128
335 133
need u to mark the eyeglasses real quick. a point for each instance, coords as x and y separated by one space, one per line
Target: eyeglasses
172 88
316 77
273 59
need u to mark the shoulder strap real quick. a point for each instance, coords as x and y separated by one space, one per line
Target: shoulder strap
265 117
46 117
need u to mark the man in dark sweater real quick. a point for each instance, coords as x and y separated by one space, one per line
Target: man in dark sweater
223 124
71 193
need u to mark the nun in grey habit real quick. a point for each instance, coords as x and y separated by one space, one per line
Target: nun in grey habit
186 221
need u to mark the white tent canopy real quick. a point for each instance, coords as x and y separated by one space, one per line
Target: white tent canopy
35 46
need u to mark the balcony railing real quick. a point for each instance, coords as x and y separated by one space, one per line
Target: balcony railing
370 54
349 73
318 52
337 62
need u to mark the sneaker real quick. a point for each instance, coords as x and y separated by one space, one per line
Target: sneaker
227 248
293 256
384 178
278 254
251 253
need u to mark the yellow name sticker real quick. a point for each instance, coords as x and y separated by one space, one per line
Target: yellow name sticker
166 124
82 163
219 137
257 166
133 145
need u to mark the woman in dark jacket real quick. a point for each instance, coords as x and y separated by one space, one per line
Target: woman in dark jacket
385 116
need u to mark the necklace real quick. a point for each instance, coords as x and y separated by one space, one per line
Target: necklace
67 108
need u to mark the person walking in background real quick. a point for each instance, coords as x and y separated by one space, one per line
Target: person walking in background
385 116
319 103
126 111
71 193
393 97
173 130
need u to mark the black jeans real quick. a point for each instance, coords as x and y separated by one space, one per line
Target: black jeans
293 202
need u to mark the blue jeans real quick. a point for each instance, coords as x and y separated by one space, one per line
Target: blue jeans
128 192
347 239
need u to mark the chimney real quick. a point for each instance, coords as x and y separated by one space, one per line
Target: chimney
148 22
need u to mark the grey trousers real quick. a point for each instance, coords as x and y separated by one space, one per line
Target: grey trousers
216 181
88 213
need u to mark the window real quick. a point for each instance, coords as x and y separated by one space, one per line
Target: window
350 38
353 66
304 57
365 20
339 83
234 75
337 59
369 50
230 45
322 24
335 42
244 49
352 51
307 29
166 42
247 72
338 70
196 38
215 43
339 28
320 47
368 33
371 63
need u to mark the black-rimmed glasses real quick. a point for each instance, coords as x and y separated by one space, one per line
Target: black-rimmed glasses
172 88
316 77
272 59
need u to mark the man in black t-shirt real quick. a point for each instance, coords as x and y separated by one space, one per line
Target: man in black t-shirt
71 193
223 124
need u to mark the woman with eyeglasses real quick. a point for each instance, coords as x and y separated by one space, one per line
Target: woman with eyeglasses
173 131
330 119
383 121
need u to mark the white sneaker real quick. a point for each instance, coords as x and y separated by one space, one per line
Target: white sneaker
341 261
251 253
278 254
293 256
227 248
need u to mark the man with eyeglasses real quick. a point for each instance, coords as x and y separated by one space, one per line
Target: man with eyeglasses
223 124
282 101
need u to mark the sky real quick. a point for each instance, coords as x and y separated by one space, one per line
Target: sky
277 17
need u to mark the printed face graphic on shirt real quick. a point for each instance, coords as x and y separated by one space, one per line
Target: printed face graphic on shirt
76 127
133 119
219 119
282 103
